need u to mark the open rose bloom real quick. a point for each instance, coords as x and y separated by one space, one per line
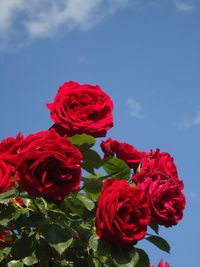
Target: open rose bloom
123 213
81 109
64 204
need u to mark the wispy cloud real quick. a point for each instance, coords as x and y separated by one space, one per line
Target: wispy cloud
27 20
190 121
22 21
184 6
135 108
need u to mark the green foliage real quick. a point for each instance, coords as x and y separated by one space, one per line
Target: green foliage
159 242
47 233
91 161
83 142
154 226
116 168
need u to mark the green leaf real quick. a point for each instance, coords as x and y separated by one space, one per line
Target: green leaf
4 252
83 142
126 256
154 226
8 195
43 252
95 176
101 247
7 213
36 220
88 203
15 264
116 168
93 188
91 161
31 260
58 238
62 246
159 242
143 260
93 242
22 248
75 205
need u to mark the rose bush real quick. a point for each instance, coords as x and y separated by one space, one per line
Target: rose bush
79 109
62 204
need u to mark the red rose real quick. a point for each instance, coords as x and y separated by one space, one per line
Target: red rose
158 165
123 151
162 264
158 177
123 213
167 202
79 109
9 147
6 174
49 165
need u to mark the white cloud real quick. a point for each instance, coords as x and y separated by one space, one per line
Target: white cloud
135 108
71 14
191 121
31 19
25 20
184 6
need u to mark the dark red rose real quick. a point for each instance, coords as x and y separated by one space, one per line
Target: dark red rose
123 213
123 151
49 165
158 165
162 264
158 176
79 109
9 147
167 202
6 174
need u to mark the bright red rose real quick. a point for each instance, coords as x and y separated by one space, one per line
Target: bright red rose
123 213
162 264
167 202
49 165
123 151
9 147
79 109
158 165
6 174
158 177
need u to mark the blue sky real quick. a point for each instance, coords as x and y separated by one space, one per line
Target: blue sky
144 53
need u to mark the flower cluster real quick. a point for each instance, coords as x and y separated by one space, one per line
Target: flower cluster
156 173
51 196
